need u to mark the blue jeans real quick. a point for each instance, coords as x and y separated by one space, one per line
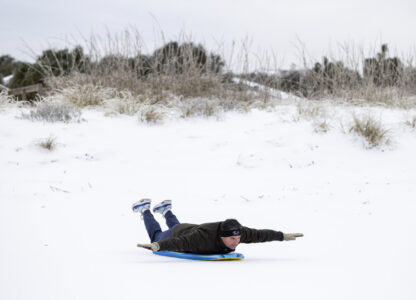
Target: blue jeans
153 228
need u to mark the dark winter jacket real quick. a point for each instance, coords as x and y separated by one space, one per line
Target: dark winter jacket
205 238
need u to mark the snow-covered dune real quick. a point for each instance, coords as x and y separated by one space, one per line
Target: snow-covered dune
67 230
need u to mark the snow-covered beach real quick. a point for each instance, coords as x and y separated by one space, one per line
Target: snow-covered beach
67 230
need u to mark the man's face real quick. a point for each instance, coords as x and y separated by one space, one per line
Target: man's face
231 241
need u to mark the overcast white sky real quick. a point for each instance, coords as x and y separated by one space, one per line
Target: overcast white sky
267 25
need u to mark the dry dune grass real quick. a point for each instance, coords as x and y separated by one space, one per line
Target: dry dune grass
411 122
309 110
321 126
371 129
5 99
160 91
48 143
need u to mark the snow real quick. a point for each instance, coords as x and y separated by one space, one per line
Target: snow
67 230
7 79
270 91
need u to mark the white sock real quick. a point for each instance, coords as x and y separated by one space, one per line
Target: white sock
144 209
165 211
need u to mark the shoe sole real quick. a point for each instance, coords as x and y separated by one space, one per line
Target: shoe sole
162 205
136 206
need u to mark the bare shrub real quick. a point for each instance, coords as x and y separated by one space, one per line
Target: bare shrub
151 115
200 107
84 95
371 129
390 96
48 143
155 110
412 122
309 111
5 99
53 112
128 107
321 126
199 86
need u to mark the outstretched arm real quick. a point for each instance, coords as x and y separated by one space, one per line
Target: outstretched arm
250 235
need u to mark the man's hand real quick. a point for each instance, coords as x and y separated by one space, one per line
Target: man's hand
291 236
153 246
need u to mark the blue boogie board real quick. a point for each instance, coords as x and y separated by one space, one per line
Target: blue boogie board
210 257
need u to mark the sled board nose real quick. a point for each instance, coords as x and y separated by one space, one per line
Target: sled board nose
208 257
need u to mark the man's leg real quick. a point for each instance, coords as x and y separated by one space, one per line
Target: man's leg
152 226
171 219
164 235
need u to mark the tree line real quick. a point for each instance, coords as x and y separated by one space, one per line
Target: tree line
332 76
173 58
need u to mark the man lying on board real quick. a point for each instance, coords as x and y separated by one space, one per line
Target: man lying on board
209 238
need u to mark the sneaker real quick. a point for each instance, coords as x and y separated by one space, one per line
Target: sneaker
141 205
163 207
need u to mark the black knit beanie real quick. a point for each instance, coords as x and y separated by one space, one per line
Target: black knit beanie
230 227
